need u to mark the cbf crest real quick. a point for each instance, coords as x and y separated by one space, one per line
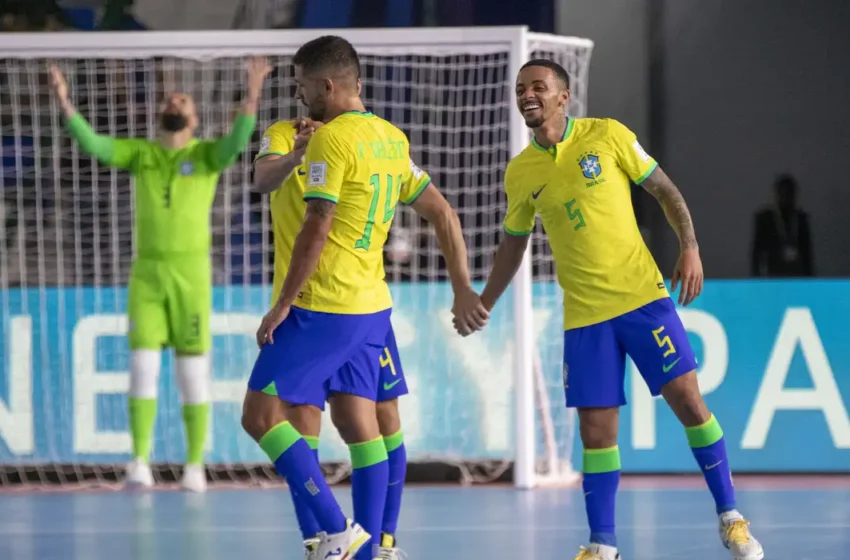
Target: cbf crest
186 168
591 169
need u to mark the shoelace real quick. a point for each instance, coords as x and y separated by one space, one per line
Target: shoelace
738 532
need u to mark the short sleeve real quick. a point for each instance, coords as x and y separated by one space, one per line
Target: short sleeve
414 183
326 160
278 139
631 157
519 219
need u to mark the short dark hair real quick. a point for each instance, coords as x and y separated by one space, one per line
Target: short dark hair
329 53
556 68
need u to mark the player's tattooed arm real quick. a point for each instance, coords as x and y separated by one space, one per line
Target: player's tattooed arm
659 185
307 248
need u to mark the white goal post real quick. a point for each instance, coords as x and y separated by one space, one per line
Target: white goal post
482 404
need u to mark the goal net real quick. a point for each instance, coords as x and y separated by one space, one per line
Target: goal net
66 244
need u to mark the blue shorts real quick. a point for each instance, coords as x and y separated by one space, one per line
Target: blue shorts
311 347
595 356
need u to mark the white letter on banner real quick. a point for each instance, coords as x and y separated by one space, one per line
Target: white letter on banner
16 421
492 373
798 327
712 371
88 383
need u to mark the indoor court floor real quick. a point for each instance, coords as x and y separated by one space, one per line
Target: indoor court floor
661 518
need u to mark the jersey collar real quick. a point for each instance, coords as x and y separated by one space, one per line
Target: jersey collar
361 113
554 149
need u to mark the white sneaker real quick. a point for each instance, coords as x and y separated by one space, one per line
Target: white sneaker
194 478
311 547
342 546
735 535
598 552
139 474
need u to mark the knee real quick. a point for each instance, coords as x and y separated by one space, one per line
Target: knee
684 397
599 427
355 418
261 413
389 420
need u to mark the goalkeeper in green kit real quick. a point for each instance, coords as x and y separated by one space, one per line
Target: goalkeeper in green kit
170 286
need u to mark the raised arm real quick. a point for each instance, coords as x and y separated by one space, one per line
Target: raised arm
107 149
226 149
431 205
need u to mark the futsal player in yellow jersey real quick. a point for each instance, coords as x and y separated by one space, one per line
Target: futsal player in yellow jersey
278 170
576 176
330 322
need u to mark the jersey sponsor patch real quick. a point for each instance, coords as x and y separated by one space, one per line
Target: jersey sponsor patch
640 151
186 168
417 172
265 144
318 173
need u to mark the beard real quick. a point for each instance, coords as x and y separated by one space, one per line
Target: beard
173 122
534 123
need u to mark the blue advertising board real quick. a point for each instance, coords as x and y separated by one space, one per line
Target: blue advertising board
774 366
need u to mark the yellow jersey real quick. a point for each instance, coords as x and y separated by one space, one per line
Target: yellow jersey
580 189
287 206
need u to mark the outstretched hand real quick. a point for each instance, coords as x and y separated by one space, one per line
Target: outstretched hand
258 68
689 274
58 83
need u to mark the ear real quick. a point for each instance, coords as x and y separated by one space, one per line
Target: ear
328 85
359 86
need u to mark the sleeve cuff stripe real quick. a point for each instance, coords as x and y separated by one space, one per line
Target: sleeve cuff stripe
264 154
322 196
419 191
518 233
649 171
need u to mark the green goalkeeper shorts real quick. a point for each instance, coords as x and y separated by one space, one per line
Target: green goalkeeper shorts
169 304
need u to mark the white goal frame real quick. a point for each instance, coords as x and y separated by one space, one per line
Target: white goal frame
518 41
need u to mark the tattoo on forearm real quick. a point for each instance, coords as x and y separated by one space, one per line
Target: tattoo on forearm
659 185
320 207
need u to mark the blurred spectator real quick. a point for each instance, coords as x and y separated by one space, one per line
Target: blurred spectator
782 242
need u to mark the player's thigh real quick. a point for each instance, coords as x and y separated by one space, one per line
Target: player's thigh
655 339
391 383
189 290
594 367
146 308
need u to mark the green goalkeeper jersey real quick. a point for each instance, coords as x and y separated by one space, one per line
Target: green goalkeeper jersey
174 188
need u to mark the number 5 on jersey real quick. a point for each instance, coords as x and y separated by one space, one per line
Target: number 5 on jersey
392 189
575 214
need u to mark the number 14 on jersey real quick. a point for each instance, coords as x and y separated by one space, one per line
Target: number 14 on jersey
392 189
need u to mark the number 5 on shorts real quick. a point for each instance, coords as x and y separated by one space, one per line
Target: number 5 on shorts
663 342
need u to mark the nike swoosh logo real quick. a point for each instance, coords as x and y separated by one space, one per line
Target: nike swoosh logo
668 367
388 386
301 171
536 194
709 467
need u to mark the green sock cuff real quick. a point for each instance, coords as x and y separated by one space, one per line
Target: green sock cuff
367 453
601 460
192 409
312 441
705 434
278 440
394 441
140 403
